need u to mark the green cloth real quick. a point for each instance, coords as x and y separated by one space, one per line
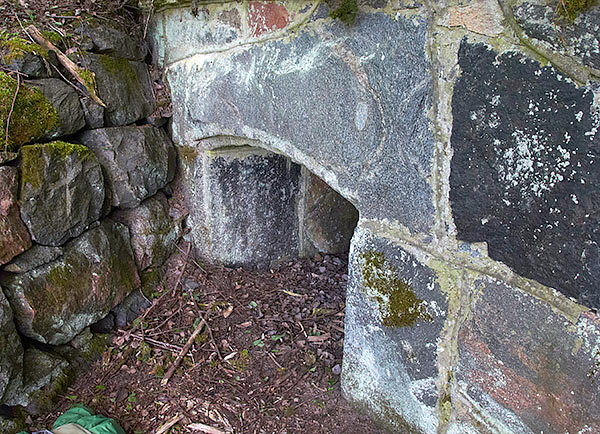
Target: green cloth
96 424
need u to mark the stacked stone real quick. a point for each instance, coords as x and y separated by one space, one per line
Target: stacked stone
82 212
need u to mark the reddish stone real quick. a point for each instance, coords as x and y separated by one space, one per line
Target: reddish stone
15 238
263 17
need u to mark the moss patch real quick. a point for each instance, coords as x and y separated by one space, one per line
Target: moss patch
33 115
33 159
14 48
398 304
346 12
572 8
119 67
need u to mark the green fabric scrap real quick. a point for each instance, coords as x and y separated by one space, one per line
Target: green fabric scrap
94 423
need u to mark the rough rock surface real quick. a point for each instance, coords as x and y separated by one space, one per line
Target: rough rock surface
123 85
62 191
329 219
113 41
529 372
124 313
535 201
153 233
294 83
395 312
56 301
15 237
93 113
65 101
11 356
248 207
40 369
579 38
137 161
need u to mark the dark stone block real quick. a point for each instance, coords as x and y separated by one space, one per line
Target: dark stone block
524 176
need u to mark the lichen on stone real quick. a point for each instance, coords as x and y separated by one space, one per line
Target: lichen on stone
398 304
32 117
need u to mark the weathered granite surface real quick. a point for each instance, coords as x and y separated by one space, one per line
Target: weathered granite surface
526 366
15 237
62 191
395 312
108 38
11 356
524 176
249 204
55 301
137 161
320 94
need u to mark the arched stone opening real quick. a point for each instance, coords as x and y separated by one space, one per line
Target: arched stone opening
255 208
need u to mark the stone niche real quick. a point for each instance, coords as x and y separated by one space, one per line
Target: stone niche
255 208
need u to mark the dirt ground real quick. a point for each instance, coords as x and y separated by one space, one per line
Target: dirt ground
268 362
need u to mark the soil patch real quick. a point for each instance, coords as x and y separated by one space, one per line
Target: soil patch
269 361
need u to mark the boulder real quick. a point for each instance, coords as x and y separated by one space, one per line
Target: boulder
17 54
124 313
93 113
11 356
153 233
40 369
137 161
123 85
62 191
65 101
56 301
111 40
15 237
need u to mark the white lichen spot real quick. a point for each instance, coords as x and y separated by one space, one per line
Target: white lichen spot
579 116
495 100
574 199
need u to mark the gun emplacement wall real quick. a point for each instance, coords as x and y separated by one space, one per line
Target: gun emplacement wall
466 136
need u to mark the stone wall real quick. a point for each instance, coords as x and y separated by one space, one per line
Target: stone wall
82 215
465 133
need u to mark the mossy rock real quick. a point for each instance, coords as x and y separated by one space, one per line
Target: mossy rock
62 191
54 302
33 115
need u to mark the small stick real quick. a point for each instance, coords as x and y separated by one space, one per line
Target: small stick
187 254
12 107
34 33
156 343
166 427
205 428
182 353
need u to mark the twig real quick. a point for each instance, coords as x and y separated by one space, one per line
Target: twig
187 254
212 339
275 361
12 107
182 353
34 33
23 28
156 343
205 428
193 260
166 427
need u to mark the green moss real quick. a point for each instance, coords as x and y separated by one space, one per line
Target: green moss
32 156
346 12
33 115
119 67
89 79
14 48
572 8
398 304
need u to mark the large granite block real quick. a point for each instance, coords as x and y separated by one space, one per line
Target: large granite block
349 103
15 237
395 312
11 356
524 172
